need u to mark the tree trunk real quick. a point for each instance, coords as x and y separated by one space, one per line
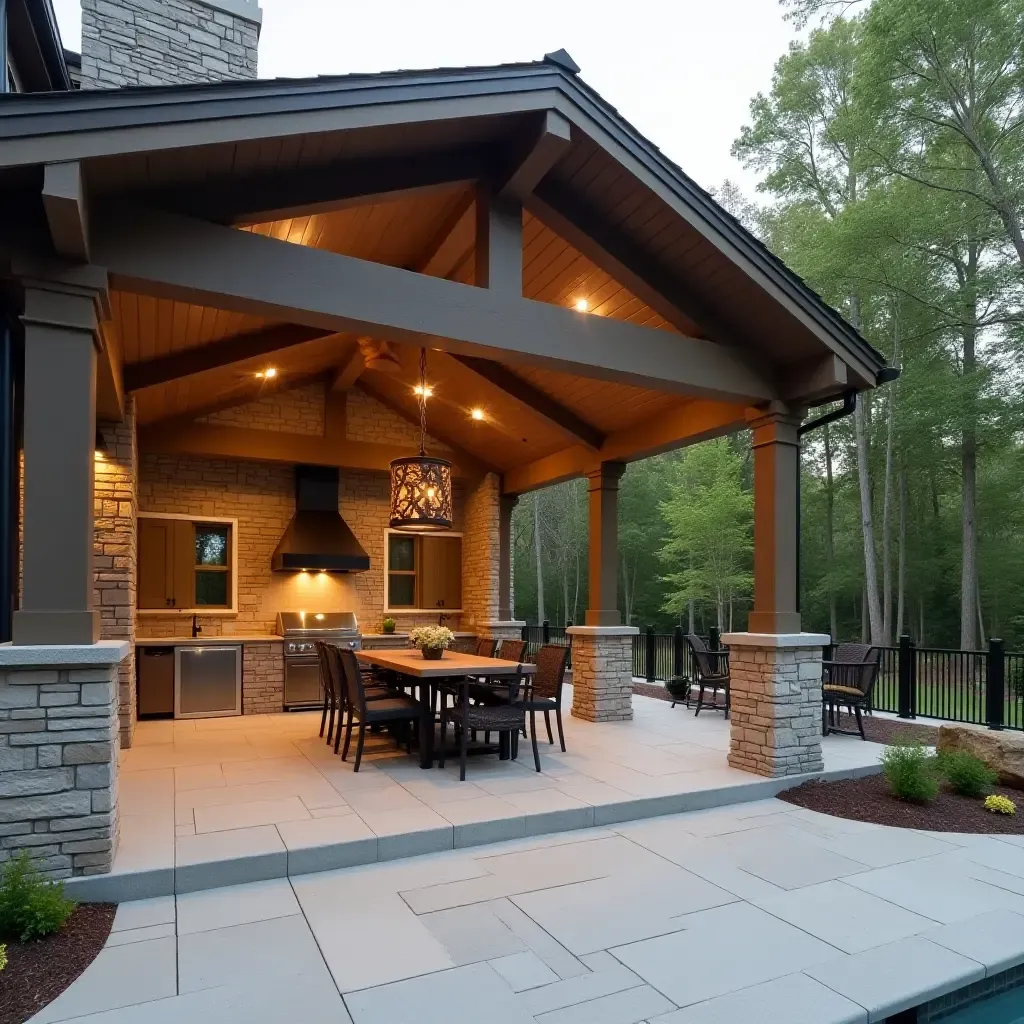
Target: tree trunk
830 549
890 430
690 617
969 461
920 627
865 629
901 573
540 558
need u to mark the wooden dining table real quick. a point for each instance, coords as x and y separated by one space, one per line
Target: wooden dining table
426 674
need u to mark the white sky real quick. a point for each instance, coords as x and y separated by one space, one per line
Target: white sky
682 71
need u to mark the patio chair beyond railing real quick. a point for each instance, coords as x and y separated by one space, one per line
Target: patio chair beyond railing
712 671
847 680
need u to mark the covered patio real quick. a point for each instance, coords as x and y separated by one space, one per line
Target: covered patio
226 281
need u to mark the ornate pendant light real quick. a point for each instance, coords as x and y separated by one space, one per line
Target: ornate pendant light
421 487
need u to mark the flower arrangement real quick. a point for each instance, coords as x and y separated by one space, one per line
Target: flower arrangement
1000 805
431 640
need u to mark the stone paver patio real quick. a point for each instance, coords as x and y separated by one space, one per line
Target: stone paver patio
758 911
222 801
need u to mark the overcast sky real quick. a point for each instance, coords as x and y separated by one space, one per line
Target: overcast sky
682 71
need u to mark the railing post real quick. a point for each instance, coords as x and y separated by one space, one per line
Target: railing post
546 632
714 638
652 655
524 634
677 652
906 680
995 683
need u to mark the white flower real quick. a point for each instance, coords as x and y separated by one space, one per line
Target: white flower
431 637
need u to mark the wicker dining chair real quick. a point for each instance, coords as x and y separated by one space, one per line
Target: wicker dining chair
512 650
486 646
546 689
712 673
848 680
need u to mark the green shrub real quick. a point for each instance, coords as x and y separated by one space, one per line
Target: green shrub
910 771
30 906
3 957
966 773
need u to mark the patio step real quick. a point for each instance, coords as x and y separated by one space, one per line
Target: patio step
263 852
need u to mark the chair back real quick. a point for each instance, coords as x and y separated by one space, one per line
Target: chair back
486 646
512 650
355 695
863 660
547 680
328 676
701 658
464 645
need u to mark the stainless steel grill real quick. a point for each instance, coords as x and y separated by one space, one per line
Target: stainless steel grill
301 630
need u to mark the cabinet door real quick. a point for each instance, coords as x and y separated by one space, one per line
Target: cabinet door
156 564
184 595
441 572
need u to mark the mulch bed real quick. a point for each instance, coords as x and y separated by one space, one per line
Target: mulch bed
37 972
869 799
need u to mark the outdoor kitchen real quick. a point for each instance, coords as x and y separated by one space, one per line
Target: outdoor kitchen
243 564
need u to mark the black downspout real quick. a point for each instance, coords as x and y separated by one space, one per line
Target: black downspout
8 480
3 47
848 406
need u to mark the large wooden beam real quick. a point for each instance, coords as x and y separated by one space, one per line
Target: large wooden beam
349 370
177 257
459 454
339 185
222 442
539 402
541 150
110 375
219 353
499 243
686 424
64 202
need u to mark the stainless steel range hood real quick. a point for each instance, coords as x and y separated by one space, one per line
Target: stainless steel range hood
317 537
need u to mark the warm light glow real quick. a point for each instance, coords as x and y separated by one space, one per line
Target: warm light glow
268 374
476 414
431 492
582 305
426 391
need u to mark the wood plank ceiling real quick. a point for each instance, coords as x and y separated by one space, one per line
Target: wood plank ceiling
431 233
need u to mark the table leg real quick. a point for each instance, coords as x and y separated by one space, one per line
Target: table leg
504 745
426 724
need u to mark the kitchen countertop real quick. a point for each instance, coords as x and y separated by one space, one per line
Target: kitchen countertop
187 641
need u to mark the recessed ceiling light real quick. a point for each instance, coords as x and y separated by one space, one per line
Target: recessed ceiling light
423 389
476 414
268 374
582 305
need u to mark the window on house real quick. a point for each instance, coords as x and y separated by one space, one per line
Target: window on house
185 565
424 573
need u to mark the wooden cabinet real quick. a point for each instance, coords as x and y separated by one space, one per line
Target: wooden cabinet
424 572
184 564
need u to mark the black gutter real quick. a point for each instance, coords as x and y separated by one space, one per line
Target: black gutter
849 404
3 46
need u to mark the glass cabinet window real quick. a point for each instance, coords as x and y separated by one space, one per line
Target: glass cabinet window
401 571
211 569
424 572
184 564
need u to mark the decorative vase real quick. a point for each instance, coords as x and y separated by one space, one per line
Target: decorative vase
432 653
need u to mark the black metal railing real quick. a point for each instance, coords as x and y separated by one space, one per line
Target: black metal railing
659 657
536 637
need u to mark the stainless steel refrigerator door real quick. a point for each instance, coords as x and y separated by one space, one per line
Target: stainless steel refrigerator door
207 682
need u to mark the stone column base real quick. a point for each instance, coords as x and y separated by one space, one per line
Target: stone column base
59 742
503 629
602 672
775 702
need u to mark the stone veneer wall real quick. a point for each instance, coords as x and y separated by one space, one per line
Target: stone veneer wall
775 709
115 550
59 742
262 678
480 597
602 673
367 420
164 42
299 411
262 497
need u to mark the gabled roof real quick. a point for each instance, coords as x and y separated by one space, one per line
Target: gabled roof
104 124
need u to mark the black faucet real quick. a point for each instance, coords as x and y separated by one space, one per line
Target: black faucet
196 628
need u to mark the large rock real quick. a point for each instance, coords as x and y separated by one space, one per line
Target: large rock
1001 751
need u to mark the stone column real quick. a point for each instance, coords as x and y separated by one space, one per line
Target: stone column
59 442
603 487
59 743
776 529
602 672
775 702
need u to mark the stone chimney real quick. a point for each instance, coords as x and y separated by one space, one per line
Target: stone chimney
168 42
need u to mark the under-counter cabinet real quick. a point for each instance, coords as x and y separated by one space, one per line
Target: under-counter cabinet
207 681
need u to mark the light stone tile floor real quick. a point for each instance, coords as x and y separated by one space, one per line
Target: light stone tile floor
659 921
222 801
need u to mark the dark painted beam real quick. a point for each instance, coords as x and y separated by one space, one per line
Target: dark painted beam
66 212
499 243
537 401
177 257
542 148
266 197
218 353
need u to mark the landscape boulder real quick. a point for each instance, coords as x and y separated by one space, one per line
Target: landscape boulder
1001 751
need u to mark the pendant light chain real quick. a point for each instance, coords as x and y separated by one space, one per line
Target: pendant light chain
423 401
